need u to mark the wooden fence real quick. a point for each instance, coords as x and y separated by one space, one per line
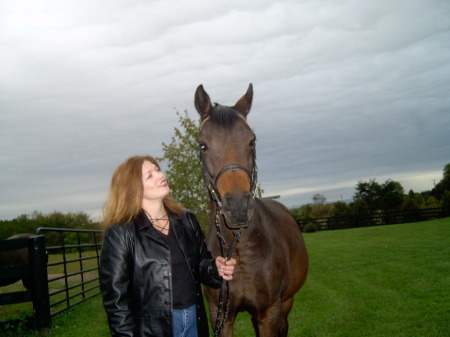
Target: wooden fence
374 219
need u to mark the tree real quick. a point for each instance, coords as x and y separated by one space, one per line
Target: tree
319 199
321 210
184 169
412 201
391 195
302 212
432 202
340 215
28 223
374 196
340 209
368 195
445 200
444 185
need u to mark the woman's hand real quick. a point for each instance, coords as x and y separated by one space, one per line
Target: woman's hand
225 267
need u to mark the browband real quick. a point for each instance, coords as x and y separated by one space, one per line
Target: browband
207 119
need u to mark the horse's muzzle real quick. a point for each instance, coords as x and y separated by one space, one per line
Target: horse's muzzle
238 210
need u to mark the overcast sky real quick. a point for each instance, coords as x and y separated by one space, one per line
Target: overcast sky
344 91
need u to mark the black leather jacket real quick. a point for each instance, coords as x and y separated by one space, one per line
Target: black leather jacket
136 277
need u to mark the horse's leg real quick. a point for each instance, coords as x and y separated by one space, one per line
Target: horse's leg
255 325
213 313
228 327
268 321
286 307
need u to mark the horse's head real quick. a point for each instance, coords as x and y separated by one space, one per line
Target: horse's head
227 150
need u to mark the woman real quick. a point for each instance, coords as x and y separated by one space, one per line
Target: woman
154 257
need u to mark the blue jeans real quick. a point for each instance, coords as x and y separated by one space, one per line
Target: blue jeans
185 322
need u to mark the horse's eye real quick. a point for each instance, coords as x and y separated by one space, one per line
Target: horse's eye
252 143
203 147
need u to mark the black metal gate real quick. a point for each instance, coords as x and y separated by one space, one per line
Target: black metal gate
35 269
72 268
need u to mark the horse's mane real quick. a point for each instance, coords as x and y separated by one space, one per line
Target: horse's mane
224 116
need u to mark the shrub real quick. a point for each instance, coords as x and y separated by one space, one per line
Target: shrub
310 228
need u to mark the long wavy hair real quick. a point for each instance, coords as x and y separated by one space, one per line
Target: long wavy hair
124 201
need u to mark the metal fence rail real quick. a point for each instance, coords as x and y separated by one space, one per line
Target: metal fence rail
78 262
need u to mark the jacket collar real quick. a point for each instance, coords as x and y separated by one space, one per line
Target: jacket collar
143 223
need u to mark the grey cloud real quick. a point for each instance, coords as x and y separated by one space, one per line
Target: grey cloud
343 92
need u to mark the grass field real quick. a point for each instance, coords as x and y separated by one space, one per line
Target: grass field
376 281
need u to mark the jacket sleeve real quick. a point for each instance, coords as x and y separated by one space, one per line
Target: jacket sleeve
115 272
208 272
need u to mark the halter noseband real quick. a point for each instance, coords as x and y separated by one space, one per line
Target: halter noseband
233 167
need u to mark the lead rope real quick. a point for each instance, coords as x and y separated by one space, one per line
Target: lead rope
222 317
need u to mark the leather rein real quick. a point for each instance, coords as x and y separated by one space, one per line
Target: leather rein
215 196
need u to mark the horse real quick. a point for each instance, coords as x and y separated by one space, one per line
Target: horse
272 261
16 257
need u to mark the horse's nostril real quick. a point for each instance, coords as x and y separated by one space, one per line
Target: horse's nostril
227 202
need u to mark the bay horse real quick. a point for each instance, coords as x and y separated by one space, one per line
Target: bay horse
16 257
272 262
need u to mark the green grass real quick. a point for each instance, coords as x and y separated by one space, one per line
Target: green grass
376 281
87 319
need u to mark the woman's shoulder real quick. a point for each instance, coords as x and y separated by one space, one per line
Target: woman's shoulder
120 235
120 228
189 216
188 213
190 220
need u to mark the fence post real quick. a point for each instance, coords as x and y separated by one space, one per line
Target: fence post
38 268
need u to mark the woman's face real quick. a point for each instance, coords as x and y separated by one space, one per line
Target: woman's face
154 182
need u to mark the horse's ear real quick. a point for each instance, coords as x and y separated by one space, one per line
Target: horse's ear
202 102
245 103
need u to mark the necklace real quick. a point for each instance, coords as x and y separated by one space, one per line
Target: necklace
153 221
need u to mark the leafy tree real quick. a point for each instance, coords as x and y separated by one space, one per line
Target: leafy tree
28 223
432 202
319 199
295 212
447 170
374 196
184 172
445 200
321 210
340 208
359 206
302 212
444 185
368 195
391 195
341 215
412 201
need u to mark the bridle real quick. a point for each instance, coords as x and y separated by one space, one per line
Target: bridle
211 183
237 229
